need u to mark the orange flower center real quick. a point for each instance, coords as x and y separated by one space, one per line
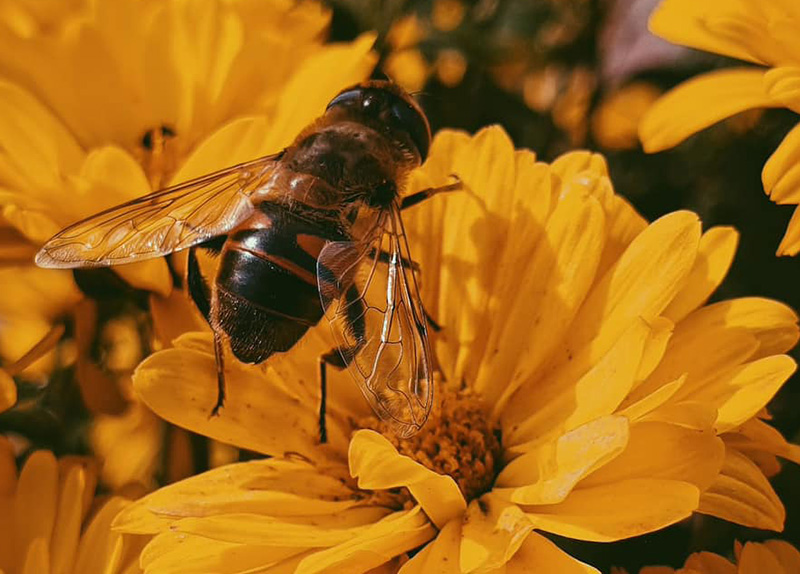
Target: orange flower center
456 440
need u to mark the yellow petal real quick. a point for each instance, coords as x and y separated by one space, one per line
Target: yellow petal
611 512
8 391
37 557
38 149
259 530
567 401
742 494
637 407
783 84
315 83
540 555
379 466
753 385
790 244
36 499
397 533
172 553
781 175
546 474
714 257
439 555
757 558
272 487
709 563
492 532
98 543
180 385
694 415
561 269
68 523
701 102
729 28
641 284
756 435
787 555
661 450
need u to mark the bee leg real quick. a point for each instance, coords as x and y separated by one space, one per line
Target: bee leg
218 359
420 196
201 295
340 357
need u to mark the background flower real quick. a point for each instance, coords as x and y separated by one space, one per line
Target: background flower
756 34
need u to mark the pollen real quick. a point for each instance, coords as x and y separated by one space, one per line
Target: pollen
457 440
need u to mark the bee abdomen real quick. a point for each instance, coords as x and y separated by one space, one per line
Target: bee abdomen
266 285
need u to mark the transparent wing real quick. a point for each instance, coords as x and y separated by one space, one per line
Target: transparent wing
375 309
162 222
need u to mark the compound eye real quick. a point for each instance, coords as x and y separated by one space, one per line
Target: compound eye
347 98
415 124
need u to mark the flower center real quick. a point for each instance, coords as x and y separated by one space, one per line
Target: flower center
158 155
456 440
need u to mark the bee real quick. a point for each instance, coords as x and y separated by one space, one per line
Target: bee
312 231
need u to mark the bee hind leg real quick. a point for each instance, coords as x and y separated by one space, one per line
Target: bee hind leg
218 359
201 295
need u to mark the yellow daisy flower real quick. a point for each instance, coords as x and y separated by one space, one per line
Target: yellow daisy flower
104 101
584 389
772 556
51 522
758 33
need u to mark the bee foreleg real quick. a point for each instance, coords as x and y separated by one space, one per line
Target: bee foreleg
420 196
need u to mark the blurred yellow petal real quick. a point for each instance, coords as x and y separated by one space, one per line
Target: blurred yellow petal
714 257
790 244
315 83
787 555
756 558
67 528
37 560
781 175
742 494
700 102
36 499
8 391
492 532
783 84
595 513
408 68
709 563
615 123
378 466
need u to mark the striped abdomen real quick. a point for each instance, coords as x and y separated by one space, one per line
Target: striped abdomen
265 295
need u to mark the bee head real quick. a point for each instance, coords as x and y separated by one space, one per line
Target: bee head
381 103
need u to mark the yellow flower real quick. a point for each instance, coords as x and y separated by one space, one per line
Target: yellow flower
584 389
758 33
772 556
615 123
104 101
51 522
